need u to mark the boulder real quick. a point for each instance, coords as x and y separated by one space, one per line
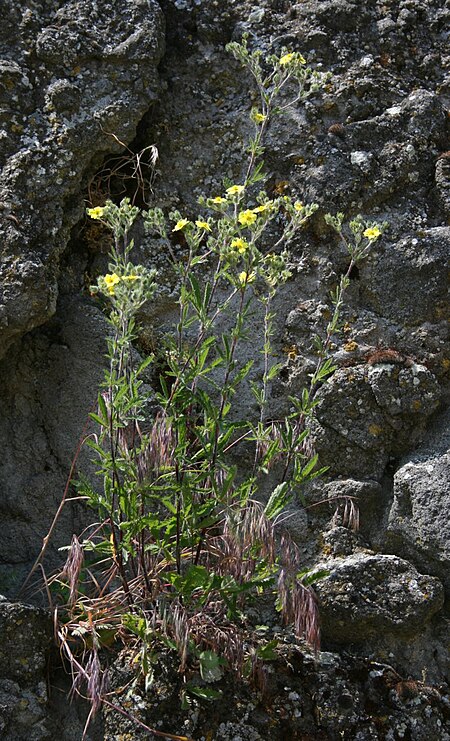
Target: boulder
367 595
369 413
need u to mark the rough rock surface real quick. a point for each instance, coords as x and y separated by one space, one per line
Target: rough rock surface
367 595
25 639
304 698
70 73
418 526
370 413
58 368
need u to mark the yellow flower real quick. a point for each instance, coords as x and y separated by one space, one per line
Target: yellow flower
95 213
130 277
240 245
264 207
245 278
180 225
258 117
288 58
298 206
372 233
203 225
247 218
111 280
219 199
235 190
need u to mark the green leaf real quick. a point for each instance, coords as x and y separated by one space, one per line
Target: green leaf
242 373
102 407
277 500
274 371
205 693
96 418
195 578
310 577
211 666
98 449
266 651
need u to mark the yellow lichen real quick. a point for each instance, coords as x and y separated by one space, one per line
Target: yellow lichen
375 430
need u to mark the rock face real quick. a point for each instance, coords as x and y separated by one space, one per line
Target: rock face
25 639
72 73
369 413
418 526
45 371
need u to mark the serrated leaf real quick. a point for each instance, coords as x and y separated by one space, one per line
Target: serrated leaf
277 501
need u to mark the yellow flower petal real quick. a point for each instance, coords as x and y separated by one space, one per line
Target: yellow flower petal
286 59
203 225
245 278
259 117
372 233
292 57
235 190
111 280
95 213
263 207
240 245
180 225
247 218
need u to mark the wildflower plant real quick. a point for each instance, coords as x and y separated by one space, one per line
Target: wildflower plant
182 541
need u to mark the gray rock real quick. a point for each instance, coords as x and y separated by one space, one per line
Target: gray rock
25 639
23 712
77 75
418 526
367 595
49 386
367 497
443 180
306 696
371 412
67 67
407 282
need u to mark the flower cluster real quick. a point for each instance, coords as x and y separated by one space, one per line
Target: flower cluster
108 282
119 218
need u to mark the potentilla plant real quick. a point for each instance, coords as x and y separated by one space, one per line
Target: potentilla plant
182 541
